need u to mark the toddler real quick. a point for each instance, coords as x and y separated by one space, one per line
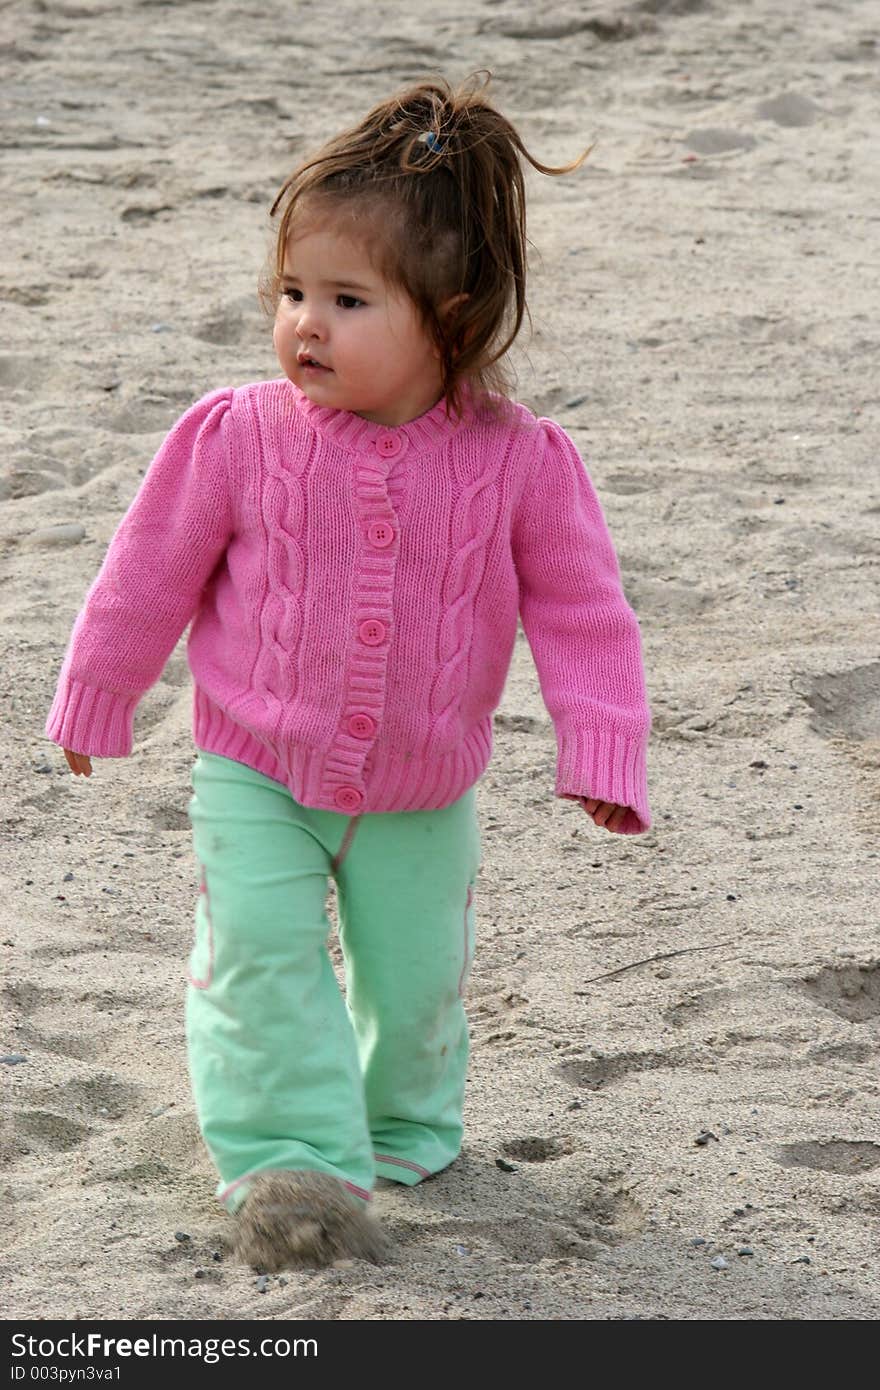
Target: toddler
353 543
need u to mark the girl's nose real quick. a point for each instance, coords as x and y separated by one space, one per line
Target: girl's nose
308 325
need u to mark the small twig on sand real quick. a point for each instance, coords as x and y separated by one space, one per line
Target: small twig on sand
662 955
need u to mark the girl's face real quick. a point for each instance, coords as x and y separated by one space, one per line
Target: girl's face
346 337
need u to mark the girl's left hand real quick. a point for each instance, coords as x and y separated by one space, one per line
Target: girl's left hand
604 813
79 763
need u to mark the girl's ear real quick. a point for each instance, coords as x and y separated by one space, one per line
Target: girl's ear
448 308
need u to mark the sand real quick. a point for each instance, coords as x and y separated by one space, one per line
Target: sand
675 1037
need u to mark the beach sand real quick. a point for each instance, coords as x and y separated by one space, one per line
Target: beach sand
675 1037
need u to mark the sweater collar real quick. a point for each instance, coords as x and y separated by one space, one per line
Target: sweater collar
352 431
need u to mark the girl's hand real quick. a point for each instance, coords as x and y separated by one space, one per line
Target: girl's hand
604 813
78 763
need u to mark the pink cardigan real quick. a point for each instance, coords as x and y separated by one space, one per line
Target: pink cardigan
353 592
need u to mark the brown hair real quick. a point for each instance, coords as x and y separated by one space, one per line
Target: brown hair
432 179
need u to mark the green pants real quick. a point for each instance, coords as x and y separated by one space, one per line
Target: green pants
285 1073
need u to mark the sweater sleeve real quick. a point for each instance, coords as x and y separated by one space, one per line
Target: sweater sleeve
149 584
583 635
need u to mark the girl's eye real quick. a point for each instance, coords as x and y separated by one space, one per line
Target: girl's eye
348 301
294 296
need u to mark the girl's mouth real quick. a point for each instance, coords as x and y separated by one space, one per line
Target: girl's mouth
310 364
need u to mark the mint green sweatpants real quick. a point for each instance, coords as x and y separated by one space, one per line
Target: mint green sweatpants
287 1074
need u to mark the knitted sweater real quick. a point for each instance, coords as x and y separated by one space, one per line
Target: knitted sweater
353 592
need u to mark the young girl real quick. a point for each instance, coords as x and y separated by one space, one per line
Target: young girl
353 543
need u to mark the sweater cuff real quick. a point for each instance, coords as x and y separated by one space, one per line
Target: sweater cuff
95 722
607 766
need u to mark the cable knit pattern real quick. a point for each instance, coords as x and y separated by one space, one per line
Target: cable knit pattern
353 593
473 518
280 616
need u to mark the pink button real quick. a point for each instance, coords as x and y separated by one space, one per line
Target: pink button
388 445
380 534
362 726
372 632
348 798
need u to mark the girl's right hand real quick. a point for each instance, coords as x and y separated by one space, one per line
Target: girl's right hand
604 813
78 763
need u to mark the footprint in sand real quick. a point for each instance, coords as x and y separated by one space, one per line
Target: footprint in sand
594 1073
146 414
100 1097
19 369
44 1123
232 324
519 724
845 1157
846 704
140 216
168 817
31 296
629 484
55 1119
788 109
856 1052
41 1129
601 1214
709 141
67 950
42 1011
531 1237
536 1150
659 597
529 26
59 1116
496 1008
850 991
